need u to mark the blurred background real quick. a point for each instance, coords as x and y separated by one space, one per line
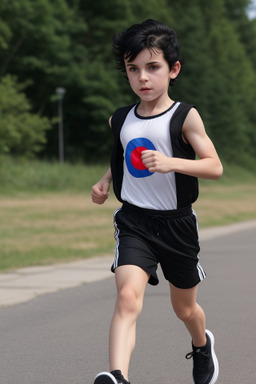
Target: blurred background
51 44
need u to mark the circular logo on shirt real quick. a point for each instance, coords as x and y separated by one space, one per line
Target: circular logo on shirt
133 156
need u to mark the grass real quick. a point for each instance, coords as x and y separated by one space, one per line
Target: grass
38 230
47 215
226 204
22 177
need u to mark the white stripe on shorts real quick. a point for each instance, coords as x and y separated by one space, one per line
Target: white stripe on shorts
116 236
200 270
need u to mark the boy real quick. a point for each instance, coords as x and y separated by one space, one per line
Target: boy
154 175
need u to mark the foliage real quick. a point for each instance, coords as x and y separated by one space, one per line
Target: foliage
232 93
46 44
21 132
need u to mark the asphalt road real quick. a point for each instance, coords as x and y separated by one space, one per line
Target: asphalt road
62 338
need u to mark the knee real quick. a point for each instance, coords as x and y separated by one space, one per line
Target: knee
128 302
184 313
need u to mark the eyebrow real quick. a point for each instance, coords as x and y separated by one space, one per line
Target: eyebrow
149 63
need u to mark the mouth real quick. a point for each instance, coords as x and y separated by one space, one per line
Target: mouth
145 89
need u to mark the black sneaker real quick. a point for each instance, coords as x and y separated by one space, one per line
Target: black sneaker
206 366
115 377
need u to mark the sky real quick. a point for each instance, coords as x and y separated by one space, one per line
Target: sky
252 10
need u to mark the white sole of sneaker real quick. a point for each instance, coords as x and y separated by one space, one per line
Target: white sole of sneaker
105 378
214 357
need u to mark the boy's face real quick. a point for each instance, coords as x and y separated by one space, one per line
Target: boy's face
149 75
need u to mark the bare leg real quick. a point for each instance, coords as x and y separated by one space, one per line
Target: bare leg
131 282
186 308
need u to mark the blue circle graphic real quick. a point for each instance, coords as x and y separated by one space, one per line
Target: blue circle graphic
132 156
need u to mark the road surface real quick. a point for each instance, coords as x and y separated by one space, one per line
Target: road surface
62 337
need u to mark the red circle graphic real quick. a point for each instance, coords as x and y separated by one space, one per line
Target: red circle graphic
136 158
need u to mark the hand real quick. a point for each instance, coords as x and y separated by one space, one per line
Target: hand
100 191
156 161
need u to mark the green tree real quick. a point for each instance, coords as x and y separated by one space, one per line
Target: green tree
194 83
43 45
232 90
67 43
21 132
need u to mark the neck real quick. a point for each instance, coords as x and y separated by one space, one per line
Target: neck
151 108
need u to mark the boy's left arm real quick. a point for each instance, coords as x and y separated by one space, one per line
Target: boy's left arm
208 166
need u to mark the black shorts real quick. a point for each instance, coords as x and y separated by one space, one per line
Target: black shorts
146 237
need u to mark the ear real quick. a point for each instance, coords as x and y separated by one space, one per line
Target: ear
175 70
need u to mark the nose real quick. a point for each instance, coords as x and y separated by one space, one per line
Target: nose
143 75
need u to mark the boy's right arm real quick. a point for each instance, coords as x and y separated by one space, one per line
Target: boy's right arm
100 191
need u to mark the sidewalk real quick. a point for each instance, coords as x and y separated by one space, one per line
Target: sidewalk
27 283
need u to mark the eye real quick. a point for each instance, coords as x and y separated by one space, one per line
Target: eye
153 67
132 69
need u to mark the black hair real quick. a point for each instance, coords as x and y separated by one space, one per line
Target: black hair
150 34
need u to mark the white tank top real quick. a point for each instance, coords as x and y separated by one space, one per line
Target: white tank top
140 187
